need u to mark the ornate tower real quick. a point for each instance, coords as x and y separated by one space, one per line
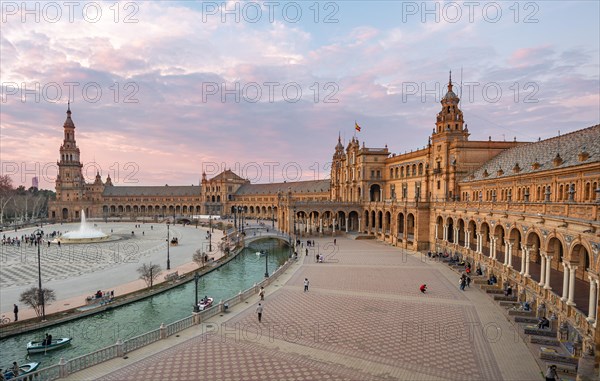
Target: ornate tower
450 118
337 165
449 134
70 184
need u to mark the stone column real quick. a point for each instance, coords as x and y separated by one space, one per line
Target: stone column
445 233
467 239
510 247
479 242
506 244
347 222
565 281
321 225
359 227
542 269
572 285
593 300
333 225
523 250
436 231
456 235
527 250
548 268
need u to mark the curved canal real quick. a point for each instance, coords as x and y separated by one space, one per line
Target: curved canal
101 330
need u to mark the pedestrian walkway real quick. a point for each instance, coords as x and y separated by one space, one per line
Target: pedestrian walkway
363 319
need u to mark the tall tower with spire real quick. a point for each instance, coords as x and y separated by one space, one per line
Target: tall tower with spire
70 184
450 118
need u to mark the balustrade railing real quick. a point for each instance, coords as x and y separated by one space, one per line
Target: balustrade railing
179 325
46 374
91 359
141 340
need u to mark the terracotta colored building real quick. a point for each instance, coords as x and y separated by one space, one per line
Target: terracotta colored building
525 212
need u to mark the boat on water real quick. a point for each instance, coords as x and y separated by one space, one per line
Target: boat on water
205 303
24 369
39 347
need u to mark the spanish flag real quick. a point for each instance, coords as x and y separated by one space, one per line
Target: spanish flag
356 126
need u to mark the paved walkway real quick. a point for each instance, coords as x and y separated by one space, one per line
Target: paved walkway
77 271
363 318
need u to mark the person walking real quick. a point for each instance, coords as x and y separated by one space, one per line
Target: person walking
262 293
423 288
259 311
16 311
462 282
306 283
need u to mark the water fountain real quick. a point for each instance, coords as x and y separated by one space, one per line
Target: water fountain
85 234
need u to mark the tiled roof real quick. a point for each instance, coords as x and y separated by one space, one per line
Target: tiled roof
540 156
313 186
227 175
166 190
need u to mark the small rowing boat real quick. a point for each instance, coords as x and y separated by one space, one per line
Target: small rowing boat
24 369
39 347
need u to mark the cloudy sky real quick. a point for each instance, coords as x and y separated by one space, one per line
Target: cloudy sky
161 91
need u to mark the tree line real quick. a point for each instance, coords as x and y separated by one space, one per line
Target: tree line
20 205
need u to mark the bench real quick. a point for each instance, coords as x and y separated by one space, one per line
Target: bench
534 330
547 341
172 277
556 357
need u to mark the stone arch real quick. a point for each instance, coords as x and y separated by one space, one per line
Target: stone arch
366 220
450 229
440 227
534 243
515 236
65 214
353 221
472 229
400 225
388 222
373 219
500 245
375 193
580 254
484 229
410 227
556 248
461 232
379 220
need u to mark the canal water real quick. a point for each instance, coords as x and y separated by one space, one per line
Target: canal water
104 329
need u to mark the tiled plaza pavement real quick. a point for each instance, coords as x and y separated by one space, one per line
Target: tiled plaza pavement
362 319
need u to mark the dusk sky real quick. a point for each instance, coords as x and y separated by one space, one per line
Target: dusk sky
193 86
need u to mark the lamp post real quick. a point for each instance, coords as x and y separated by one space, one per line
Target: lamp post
235 217
243 218
266 263
168 246
39 233
210 233
196 279
294 221
273 216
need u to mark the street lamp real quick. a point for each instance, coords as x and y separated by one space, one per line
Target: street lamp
168 246
273 216
266 263
210 233
39 233
294 220
235 217
196 279
243 218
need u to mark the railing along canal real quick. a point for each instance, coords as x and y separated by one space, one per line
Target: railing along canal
64 368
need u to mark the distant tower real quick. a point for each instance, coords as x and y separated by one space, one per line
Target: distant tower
34 183
70 184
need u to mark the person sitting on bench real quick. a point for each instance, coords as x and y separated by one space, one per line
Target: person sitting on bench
508 291
543 323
